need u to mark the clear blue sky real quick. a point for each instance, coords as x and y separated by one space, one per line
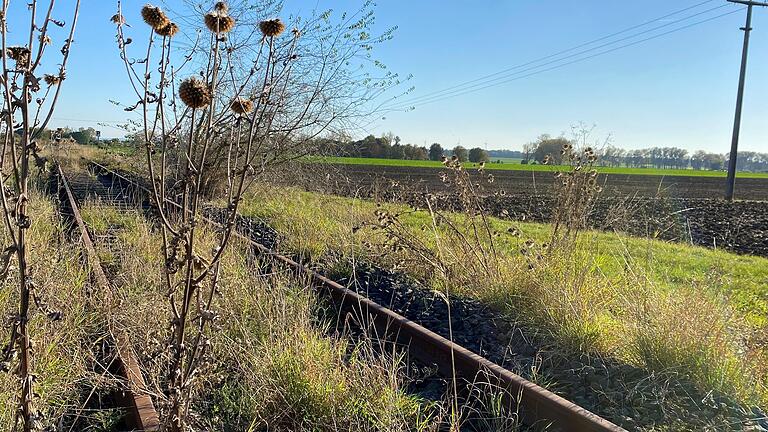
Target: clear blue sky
677 90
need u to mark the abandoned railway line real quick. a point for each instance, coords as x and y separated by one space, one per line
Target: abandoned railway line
538 406
135 399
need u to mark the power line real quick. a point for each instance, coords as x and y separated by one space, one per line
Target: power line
420 99
512 77
506 72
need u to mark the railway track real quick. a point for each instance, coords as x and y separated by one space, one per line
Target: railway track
538 407
135 400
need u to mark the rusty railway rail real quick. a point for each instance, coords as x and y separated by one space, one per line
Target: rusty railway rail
539 407
141 413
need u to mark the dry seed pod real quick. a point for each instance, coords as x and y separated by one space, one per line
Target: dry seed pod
221 7
168 30
194 93
219 22
117 19
154 16
241 106
19 54
51 79
271 28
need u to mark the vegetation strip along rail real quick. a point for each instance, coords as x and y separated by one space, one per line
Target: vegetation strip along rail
141 415
538 405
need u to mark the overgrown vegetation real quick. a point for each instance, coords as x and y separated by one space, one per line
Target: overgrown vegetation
272 363
683 312
61 352
256 96
22 122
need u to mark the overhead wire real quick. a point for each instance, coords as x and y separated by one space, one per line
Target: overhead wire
507 75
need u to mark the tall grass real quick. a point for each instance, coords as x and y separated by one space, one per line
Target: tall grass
61 350
270 362
668 308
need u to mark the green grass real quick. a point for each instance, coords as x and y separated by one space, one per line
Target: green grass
506 160
119 149
544 168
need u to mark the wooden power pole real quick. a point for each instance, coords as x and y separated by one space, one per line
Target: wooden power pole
731 181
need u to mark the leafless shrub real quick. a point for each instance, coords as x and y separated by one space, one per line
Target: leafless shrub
29 99
251 104
575 191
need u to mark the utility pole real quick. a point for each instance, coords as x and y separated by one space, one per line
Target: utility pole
731 180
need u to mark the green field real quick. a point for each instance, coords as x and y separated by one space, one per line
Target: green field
522 167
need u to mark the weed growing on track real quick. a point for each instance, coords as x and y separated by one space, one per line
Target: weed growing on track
249 104
270 364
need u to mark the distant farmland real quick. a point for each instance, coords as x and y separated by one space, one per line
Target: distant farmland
515 165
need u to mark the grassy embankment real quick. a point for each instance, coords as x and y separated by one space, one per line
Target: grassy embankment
670 308
542 168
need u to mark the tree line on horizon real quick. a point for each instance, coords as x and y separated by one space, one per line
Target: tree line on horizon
389 146
651 157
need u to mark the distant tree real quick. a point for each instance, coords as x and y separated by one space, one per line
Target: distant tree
547 146
529 149
84 136
435 152
461 153
374 147
135 139
478 155
511 154
397 152
416 153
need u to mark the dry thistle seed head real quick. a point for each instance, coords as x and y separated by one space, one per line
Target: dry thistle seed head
19 54
194 93
117 19
219 22
241 106
168 30
51 79
221 7
154 16
271 28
